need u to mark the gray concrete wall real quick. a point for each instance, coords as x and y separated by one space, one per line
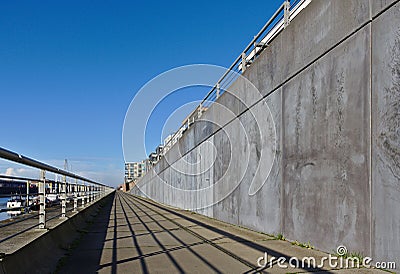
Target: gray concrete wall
331 81
385 121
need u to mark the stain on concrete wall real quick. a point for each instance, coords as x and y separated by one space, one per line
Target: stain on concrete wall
386 136
326 122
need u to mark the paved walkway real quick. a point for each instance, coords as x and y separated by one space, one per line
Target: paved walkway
134 235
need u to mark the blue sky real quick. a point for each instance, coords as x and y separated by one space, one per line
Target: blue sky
69 69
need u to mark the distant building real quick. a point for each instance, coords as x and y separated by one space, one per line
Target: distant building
134 171
172 139
159 151
154 157
167 140
125 187
16 187
152 160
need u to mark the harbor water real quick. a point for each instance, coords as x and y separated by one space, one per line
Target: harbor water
3 204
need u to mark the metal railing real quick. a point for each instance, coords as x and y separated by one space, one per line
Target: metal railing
279 21
49 193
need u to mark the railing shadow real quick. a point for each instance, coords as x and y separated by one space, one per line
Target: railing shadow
87 251
250 244
164 249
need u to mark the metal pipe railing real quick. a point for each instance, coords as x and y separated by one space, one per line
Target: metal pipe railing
18 158
270 30
80 189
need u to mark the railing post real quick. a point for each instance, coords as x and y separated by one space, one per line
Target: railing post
64 196
27 207
86 194
90 193
218 90
286 13
76 195
244 62
83 195
42 200
199 111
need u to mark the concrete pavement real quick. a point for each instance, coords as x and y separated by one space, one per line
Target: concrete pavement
134 235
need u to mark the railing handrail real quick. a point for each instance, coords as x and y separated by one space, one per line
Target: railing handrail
9 178
285 6
239 58
83 189
15 157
